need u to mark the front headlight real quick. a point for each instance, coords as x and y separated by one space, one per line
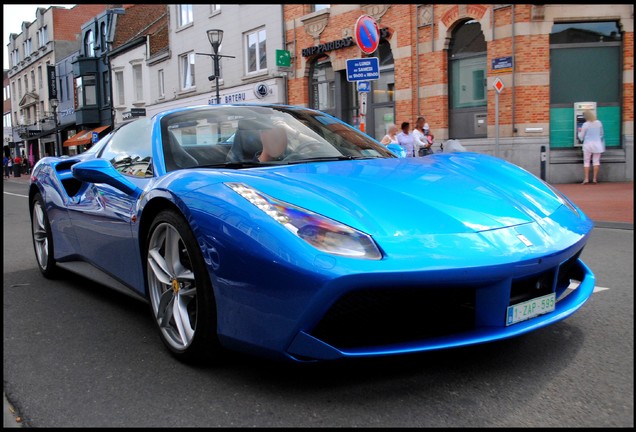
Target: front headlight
319 231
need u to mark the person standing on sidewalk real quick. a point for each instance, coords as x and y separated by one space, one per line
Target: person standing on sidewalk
593 138
406 140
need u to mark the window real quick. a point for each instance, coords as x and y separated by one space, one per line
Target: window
33 80
61 98
79 91
139 89
323 86
184 14
19 89
27 48
15 57
90 90
129 150
102 33
40 82
89 44
106 81
256 51
119 80
186 69
43 37
160 83
86 91
26 84
215 8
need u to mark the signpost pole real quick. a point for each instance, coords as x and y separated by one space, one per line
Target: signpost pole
498 85
497 124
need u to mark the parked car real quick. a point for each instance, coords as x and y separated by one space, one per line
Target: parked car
302 238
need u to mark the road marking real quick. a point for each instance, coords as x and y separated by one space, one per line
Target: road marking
19 195
574 285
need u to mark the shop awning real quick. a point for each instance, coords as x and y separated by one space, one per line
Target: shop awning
84 137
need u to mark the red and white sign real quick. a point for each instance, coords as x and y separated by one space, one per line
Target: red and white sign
498 85
367 34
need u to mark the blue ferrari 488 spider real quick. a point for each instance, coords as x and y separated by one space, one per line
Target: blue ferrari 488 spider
283 232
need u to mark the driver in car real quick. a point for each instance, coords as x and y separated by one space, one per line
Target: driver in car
274 141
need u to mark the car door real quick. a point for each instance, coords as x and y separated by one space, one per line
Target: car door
102 215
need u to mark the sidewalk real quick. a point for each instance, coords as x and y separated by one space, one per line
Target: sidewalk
609 205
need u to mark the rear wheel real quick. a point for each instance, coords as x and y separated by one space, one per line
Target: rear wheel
180 290
42 238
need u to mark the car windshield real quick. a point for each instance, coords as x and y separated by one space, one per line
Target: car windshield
250 136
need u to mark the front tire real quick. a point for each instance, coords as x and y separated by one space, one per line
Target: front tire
42 238
180 291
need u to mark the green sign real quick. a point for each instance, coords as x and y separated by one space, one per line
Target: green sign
283 58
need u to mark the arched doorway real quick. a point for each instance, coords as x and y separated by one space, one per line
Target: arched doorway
467 82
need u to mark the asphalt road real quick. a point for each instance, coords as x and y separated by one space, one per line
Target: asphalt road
77 354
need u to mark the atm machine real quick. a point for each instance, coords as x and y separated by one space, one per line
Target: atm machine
579 108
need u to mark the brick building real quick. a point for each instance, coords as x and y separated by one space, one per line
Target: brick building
442 61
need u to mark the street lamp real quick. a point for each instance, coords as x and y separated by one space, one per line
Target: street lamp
54 103
215 36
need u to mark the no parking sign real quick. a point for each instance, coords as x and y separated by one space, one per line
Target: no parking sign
367 34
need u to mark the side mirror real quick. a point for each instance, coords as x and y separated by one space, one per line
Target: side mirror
101 171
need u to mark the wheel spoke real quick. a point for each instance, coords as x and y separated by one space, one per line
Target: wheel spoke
182 319
164 301
172 251
159 267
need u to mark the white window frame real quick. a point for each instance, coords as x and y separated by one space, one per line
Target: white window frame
260 36
139 82
28 48
184 15
161 84
186 71
43 37
121 93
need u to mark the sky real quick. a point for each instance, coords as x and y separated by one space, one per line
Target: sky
14 15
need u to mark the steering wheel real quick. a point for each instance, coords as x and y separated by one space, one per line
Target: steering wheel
304 149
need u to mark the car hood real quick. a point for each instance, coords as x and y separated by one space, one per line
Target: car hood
446 193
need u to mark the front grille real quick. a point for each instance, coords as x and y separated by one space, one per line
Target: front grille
370 317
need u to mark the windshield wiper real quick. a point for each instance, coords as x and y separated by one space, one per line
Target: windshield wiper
233 165
321 159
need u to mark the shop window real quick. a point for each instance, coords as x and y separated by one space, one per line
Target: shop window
323 86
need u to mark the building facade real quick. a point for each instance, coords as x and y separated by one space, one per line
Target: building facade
184 75
33 54
504 79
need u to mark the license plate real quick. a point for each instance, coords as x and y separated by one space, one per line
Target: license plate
530 309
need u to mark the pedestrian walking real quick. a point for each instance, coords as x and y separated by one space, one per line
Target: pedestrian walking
420 134
10 165
391 135
406 140
6 166
593 138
